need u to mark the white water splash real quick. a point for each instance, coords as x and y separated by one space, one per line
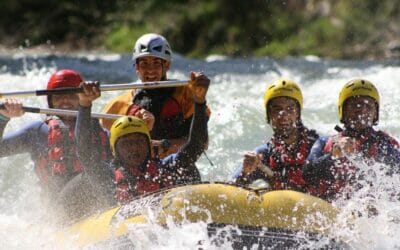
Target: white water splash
237 125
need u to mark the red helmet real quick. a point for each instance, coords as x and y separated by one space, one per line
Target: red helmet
63 79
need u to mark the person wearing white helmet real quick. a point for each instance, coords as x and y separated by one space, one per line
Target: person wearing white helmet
172 107
153 45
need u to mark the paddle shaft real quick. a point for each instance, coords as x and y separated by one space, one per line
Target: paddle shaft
106 87
65 112
266 170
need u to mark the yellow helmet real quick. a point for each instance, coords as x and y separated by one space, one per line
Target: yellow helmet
283 88
357 87
126 125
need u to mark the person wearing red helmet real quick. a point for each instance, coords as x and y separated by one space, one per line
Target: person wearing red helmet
50 143
63 79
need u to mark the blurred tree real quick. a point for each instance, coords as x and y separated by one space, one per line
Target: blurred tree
331 28
75 22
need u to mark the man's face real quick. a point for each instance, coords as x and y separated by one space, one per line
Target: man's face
66 101
132 149
283 112
150 69
359 112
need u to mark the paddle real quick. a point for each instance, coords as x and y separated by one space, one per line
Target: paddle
105 87
65 112
268 171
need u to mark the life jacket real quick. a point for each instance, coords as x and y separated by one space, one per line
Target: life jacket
287 164
366 146
169 118
182 96
344 171
60 163
136 182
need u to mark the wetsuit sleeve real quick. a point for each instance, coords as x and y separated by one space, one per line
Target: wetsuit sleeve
93 189
183 95
389 153
318 165
392 158
86 151
90 154
183 162
186 125
30 139
243 179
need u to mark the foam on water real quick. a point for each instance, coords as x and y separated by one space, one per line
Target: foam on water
237 125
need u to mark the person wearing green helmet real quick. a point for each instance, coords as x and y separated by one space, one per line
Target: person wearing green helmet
332 161
279 161
136 169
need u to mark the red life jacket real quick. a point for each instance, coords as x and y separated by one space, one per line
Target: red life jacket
370 152
61 160
135 182
288 168
169 117
344 171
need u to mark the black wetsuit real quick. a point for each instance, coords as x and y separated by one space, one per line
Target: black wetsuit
96 187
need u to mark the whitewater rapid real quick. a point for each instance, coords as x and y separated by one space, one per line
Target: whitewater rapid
237 125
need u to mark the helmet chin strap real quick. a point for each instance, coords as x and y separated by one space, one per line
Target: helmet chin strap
357 133
149 156
164 73
286 133
155 154
142 165
350 129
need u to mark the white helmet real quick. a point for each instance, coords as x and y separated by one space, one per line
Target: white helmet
152 45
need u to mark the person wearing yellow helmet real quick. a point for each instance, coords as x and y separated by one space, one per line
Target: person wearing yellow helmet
331 164
135 170
279 160
172 107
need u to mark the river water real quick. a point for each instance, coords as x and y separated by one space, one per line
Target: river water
237 125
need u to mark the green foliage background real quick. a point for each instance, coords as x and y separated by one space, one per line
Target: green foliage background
328 28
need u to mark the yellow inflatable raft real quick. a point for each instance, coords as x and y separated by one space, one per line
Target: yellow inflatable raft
263 217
